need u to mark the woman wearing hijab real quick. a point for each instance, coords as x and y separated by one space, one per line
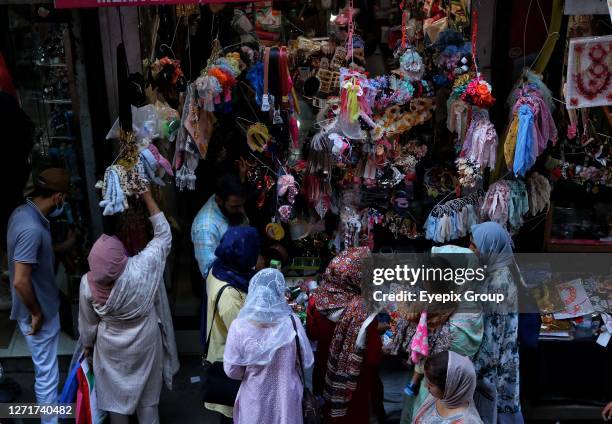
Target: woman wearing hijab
125 318
497 361
234 267
450 326
451 381
349 347
262 351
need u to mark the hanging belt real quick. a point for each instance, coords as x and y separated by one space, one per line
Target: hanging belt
284 77
265 101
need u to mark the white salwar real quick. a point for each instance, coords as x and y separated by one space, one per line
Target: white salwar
132 333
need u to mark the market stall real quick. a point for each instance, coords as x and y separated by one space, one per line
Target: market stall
366 124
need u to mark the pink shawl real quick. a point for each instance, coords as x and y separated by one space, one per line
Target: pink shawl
107 260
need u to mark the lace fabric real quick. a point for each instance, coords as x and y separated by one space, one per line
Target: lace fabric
264 323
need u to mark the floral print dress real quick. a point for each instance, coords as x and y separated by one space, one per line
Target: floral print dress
497 361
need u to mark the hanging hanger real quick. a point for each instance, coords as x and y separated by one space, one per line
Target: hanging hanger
169 49
262 163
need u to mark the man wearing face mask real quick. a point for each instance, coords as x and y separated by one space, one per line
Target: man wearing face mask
35 295
223 209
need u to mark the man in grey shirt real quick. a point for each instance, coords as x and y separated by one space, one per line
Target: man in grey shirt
35 295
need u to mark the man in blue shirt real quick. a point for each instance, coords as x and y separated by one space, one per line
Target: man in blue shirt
35 295
224 208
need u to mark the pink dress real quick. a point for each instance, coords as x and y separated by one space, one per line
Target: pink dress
272 393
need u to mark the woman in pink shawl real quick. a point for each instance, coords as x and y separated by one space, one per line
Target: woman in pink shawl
125 319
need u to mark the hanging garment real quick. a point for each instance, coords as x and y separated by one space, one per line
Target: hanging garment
526 148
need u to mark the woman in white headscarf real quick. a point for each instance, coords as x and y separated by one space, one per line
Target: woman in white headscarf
262 351
451 381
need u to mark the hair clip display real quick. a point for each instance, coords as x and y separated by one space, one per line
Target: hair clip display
453 219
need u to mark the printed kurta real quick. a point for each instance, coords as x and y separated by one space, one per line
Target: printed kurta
132 334
497 361
466 331
271 393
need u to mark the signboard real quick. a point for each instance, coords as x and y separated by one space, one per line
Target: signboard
74 4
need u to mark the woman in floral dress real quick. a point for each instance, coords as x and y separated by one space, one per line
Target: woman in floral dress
497 361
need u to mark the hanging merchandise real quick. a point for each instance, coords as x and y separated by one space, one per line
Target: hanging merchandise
439 181
468 172
186 154
480 144
588 72
539 193
411 65
497 202
214 86
519 204
478 93
400 226
287 191
453 219
531 127
506 202
353 103
167 77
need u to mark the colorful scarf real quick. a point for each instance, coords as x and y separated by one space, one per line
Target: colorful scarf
341 289
420 342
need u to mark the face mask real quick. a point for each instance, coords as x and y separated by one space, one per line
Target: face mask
58 210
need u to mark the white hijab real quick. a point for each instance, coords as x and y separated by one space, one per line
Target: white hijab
265 322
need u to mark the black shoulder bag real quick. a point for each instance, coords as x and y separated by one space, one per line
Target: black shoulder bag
217 387
310 405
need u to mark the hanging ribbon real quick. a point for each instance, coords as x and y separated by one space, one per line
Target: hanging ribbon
349 40
404 24
474 37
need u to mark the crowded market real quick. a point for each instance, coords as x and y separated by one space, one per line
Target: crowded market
196 193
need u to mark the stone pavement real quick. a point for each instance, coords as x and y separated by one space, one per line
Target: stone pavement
182 404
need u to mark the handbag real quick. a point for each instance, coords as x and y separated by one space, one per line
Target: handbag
216 386
310 406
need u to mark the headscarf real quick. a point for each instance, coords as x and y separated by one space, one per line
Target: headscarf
494 245
264 323
237 256
107 261
460 381
341 289
459 257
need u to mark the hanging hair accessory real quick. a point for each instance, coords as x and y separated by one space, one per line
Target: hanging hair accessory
412 66
258 137
275 231
496 202
539 193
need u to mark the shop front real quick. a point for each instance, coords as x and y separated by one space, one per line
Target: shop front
396 127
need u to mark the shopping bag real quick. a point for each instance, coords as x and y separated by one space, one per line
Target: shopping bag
69 391
87 411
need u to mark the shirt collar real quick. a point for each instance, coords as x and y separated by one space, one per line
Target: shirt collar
43 218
